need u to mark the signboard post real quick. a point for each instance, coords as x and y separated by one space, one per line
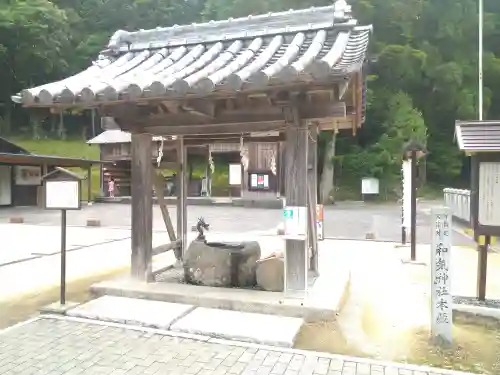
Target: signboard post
406 200
62 192
441 297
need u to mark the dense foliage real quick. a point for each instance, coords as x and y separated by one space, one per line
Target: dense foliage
423 70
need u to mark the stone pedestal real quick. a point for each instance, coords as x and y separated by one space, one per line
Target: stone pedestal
221 264
271 274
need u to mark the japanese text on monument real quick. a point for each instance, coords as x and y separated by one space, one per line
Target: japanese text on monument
441 274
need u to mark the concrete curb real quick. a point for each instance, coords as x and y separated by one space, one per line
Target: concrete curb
483 311
237 202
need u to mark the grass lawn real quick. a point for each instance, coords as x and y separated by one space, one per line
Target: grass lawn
27 305
476 346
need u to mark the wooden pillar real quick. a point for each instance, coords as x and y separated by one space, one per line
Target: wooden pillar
296 259
312 188
181 194
101 173
89 184
142 206
482 250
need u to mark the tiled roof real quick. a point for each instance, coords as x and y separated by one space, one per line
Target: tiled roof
236 54
478 135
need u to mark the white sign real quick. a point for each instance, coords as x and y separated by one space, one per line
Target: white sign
369 185
295 222
441 297
234 174
62 195
489 194
28 175
406 201
5 185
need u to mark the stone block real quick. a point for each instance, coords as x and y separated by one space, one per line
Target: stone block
370 236
221 264
271 273
58 309
93 222
280 229
234 325
16 220
139 312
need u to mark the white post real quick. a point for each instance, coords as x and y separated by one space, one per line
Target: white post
407 195
480 76
441 297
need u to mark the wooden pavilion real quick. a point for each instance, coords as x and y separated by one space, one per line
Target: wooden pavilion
285 76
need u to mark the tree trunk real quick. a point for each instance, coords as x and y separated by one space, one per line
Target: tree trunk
327 185
62 129
53 124
35 126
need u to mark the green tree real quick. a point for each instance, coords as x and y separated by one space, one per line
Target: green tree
33 35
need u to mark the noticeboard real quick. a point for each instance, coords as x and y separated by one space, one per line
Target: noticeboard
489 194
261 180
62 195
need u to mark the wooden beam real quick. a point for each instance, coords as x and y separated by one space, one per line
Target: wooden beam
203 108
312 191
342 89
158 186
296 262
215 129
142 206
166 247
229 138
181 192
250 114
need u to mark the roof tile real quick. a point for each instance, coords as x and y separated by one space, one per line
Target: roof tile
230 55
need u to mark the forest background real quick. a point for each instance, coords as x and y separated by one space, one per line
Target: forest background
423 69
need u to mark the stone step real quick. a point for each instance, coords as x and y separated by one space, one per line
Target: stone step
231 325
139 312
234 325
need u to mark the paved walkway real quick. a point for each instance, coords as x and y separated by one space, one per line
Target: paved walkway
343 220
70 346
36 266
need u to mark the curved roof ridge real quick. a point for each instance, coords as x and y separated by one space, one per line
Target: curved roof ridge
252 26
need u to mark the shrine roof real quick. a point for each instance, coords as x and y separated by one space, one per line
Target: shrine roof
250 53
478 136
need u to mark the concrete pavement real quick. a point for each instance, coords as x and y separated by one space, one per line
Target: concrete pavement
50 345
344 220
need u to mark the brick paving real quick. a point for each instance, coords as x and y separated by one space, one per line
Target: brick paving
65 346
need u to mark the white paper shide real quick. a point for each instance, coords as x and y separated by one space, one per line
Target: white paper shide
441 297
63 195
